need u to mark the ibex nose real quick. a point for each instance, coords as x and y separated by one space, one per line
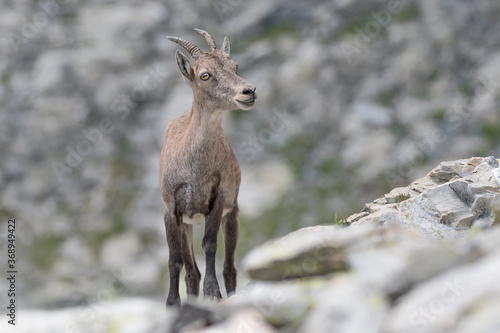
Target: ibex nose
249 90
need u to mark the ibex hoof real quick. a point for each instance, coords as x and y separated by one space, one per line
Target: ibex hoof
174 301
212 292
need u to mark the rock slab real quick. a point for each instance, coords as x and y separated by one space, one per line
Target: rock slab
453 197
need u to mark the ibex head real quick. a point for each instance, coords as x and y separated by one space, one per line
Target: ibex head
214 75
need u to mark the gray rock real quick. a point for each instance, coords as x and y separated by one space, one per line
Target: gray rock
396 267
456 301
247 320
306 252
137 315
451 198
347 306
316 304
193 317
282 303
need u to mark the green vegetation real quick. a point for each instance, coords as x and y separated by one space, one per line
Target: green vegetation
6 213
112 326
273 32
438 115
285 28
120 193
330 178
45 250
434 75
366 23
403 197
422 91
238 115
387 98
360 23
342 222
409 13
274 222
398 128
296 210
466 89
296 151
323 185
491 131
5 78
96 239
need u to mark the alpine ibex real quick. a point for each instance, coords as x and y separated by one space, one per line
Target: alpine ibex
199 174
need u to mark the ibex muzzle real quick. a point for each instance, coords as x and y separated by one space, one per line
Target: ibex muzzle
199 174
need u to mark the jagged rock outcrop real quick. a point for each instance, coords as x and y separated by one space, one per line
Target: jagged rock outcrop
453 197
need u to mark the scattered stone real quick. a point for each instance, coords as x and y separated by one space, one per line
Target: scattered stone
127 315
460 300
247 320
347 305
195 317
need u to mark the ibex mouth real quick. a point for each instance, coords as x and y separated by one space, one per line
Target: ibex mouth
247 104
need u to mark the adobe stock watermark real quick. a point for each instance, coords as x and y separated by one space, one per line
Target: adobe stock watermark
273 301
254 144
32 25
311 265
365 35
226 8
87 315
120 109
269 306
454 118
424 315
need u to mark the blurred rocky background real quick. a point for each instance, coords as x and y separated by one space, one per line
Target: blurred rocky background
354 99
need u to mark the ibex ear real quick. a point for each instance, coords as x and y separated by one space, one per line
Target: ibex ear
184 64
225 46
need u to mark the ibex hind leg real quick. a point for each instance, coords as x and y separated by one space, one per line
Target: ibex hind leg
230 231
193 275
175 262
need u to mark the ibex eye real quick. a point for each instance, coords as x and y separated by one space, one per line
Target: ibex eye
205 76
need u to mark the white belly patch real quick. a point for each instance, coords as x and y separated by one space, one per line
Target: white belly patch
199 218
196 219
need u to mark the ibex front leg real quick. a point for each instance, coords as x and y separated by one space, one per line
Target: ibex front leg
174 241
212 223
230 229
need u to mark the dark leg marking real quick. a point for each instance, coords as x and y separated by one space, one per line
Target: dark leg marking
175 256
212 223
230 231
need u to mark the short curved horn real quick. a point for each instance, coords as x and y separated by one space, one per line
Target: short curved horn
210 40
193 50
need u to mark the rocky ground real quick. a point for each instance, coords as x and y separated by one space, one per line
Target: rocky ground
423 258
